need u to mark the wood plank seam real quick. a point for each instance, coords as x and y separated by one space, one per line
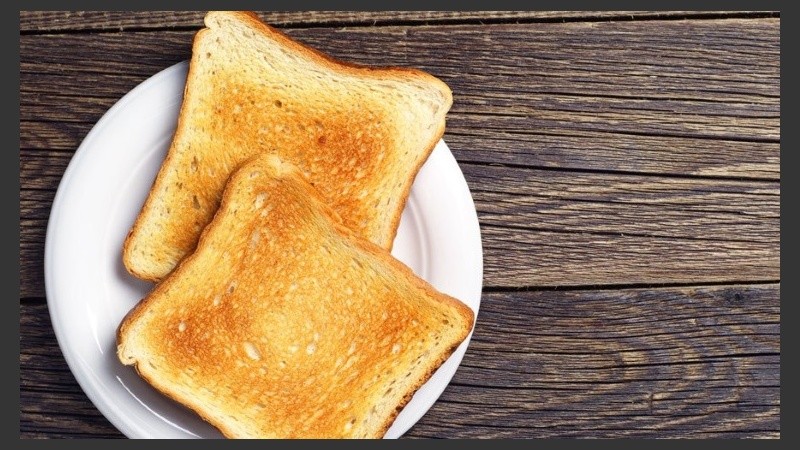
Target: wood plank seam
646 16
617 287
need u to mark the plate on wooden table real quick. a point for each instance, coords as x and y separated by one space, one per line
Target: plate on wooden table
89 291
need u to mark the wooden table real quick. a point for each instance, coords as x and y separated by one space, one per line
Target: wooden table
625 167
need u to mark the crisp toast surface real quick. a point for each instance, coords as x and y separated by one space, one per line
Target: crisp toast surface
284 323
361 134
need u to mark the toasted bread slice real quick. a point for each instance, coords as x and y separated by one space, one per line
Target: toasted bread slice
286 324
361 134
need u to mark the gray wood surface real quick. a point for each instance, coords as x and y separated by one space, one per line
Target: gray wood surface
38 21
625 167
699 361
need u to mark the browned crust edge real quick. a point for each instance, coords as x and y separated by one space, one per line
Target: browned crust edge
147 206
463 310
329 62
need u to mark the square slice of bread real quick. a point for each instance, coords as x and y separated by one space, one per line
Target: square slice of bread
361 134
284 323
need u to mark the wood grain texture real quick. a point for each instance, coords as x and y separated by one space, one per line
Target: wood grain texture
48 21
608 153
554 227
583 150
670 362
553 95
609 227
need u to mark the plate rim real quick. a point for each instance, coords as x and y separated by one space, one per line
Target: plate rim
53 219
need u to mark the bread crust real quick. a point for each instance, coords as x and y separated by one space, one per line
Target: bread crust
162 253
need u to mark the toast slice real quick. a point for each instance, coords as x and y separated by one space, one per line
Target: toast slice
360 134
284 323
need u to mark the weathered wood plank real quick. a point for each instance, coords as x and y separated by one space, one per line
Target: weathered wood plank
31 257
586 150
656 58
553 227
121 20
553 95
726 211
545 112
544 81
556 200
479 139
663 362
541 258
668 362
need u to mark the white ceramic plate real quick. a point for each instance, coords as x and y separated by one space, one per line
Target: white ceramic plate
89 290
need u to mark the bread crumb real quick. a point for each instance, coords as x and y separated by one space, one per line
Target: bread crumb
252 351
260 199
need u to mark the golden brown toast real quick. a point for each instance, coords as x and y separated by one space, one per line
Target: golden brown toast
284 323
360 134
